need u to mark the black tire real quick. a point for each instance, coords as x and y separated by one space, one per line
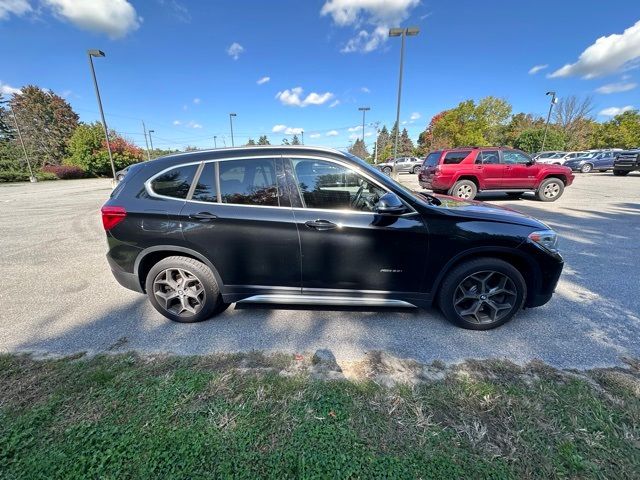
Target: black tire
586 168
620 173
550 190
452 301
464 189
192 284
415 169
387 170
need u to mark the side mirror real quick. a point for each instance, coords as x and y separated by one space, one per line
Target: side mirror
531 162
390 204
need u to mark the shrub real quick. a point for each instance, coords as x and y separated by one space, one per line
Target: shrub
22 176
64 172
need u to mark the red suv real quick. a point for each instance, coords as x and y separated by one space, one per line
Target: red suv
463 172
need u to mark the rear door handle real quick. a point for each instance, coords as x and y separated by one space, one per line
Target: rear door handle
204 216
321 225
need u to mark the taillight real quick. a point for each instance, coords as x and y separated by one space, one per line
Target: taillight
112 216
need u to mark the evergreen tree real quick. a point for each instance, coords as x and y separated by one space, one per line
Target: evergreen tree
359 149
251 142
295 140
285 141
263 140
405 144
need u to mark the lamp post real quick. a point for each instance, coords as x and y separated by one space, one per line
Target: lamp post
231 115
554 100
146 142
32 177
91 54
400 32
215 141
151 139
364 110
375 146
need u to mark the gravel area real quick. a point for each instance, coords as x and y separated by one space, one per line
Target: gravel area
59 297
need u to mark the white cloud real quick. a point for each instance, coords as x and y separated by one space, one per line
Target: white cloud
536 68
368 134
365 90
335 103
613 111
332 133
354 129
616 87
372 19
294 98
263 80
234 50
13 7
414 116
197 100
193 124
279 128
8 89
607 55
177 122
287 130
626 77
116 18
315 135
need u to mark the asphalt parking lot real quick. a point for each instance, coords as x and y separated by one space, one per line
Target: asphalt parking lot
59 297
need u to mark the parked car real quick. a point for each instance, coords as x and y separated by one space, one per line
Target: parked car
463 172
601 161
302 225
402 164
626 161
561 158
544 155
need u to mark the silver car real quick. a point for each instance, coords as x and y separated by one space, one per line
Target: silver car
402 164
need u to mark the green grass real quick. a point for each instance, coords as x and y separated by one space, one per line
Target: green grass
238 416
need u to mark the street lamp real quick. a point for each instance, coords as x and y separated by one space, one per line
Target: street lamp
215 141
32 177
554 100
231 115
150 139
91 54
364 110
400 32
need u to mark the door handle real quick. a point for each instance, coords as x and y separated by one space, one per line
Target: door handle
478 167
204 216
321 225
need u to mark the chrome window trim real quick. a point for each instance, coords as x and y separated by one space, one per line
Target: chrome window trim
356 168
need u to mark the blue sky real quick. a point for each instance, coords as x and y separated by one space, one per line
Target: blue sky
182 66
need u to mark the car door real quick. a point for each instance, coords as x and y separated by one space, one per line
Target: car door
401 165
240 219
490 168
345 244
520 171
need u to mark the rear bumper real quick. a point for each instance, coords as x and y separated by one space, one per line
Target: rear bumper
127 279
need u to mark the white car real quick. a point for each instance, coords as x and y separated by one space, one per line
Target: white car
560 158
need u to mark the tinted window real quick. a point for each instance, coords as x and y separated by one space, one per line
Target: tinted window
174 183
488 157
205 189
432 159
512 157
453 158
249 182
331 186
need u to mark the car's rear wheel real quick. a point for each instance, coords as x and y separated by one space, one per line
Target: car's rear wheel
620 173
464 189
586 168
415 169
387 170
184 290
550 190
482 294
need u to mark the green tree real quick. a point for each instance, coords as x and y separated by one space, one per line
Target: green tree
263 140
383 140
622 131
88 150
572 115
295 140
285 141
47 123
518 124
359 149
531 140
251 142
405 144
6 123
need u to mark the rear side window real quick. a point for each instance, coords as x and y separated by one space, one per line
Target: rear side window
174 183
432 159
205 190
488 157
249 182
452 158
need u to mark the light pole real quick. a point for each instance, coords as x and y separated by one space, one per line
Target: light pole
151 139
144 128
215 141
554 100
375 146
91 54
302 133
32 178
400 32
231 115
364 110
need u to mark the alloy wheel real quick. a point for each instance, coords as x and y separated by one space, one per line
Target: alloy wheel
485 297
464 191
551 190
179 292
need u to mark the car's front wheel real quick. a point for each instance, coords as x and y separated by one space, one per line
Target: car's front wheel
387 170
464 189
184 290
586 168
482 294
550 190
620 173
415 169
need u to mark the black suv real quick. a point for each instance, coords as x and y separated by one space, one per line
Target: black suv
626 161
301 225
